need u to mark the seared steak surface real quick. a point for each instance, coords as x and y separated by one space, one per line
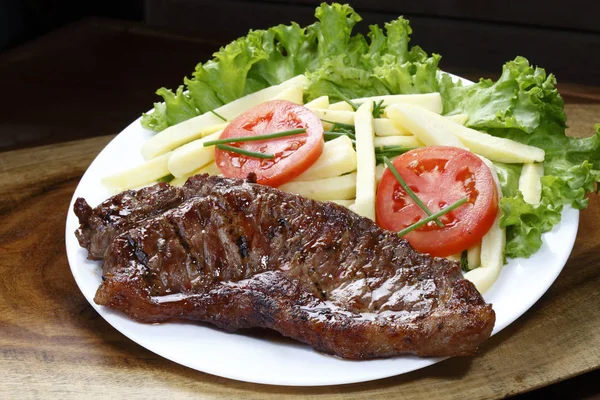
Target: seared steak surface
242 255
99 226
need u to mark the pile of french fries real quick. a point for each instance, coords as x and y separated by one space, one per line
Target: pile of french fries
342 174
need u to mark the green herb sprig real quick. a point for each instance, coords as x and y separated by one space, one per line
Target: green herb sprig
245 152
218 115
254 138
166 178
378 108
464 261
432 217
389 152
330 135
409 191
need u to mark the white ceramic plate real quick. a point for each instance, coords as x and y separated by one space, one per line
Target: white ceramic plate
267 360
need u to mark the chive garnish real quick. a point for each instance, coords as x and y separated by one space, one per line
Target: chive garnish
409 191
255 137
218 115
347 100
329 135
464 261
339 124
378 108
432 217
245 152
166 178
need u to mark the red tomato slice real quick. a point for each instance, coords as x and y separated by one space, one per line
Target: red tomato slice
293 154
439 176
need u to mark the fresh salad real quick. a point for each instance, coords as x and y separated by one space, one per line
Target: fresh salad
475 172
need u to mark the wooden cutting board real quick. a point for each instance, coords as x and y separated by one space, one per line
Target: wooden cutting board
52 342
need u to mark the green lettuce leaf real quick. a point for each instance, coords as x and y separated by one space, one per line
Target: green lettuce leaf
179 104
383 64
522 98
262 58
337 62
508 175
524 105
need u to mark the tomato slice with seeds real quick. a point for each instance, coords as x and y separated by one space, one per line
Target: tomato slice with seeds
439 176
293 154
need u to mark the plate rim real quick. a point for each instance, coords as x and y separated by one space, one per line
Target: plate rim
108 314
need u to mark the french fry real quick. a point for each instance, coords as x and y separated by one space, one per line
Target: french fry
191 156
459 118
341 106
428 101
365 155
435 130
210 169
344 117
492 258
474 256
345 203
192 129
338 188
430 130
411 142
338 158
147 172
319 102
530 184
379 170
492 247
293 94
180 181
495 148
387 127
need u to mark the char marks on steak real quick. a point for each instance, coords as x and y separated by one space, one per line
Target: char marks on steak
99 226
242 255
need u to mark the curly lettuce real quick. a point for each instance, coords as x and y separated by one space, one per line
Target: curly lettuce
522 105
336 61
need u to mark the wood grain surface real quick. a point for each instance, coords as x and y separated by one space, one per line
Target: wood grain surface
53 344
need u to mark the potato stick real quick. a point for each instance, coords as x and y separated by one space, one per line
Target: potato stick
345 117
192 156
293 94
338 188
186 131
474 256
411 142
140 175
210 169
319 102
428 101
387 127
420 122
338 158
458 118
379 170
365 155
341 106
345 203
530 184
492 247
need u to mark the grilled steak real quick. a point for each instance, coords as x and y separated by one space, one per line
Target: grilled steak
99 226
242 255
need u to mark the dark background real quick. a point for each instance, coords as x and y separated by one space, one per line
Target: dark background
72 69
23 20
562 36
